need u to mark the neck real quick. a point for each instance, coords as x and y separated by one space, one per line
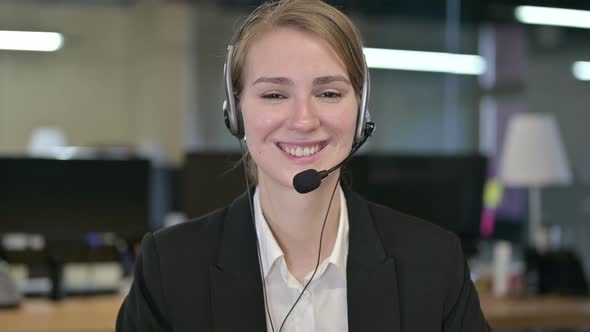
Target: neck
296 221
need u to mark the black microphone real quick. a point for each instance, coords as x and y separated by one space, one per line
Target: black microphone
310 180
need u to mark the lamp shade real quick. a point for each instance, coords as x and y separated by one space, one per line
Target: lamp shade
533 154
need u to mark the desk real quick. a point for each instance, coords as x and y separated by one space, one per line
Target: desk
547 312
91 314
98 314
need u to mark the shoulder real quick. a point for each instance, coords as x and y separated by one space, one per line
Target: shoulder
194 239
171 274
430 265
425 255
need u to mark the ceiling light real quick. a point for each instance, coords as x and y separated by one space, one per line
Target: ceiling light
553 16
425 61
30 41
581 70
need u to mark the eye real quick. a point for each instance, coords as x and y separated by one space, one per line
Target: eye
330 94
273 95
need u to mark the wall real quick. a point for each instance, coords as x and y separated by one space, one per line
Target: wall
118 80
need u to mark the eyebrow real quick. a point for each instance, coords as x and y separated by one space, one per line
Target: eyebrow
317 81
274 80
329 79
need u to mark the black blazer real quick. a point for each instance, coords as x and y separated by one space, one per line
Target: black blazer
403 275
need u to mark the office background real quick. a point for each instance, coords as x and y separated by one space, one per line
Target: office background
147 74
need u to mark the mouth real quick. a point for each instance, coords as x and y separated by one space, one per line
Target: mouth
302 149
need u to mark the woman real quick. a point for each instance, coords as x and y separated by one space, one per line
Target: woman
326 260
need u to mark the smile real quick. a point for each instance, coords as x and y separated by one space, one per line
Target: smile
301 150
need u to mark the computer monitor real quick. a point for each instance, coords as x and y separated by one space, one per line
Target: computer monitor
210 180
65 200
84 210
444 189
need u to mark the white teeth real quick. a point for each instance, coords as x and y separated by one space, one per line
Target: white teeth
302 152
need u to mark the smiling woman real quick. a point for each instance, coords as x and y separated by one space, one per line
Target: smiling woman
296 98
278 260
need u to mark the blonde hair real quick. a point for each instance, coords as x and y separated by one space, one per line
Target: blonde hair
312 16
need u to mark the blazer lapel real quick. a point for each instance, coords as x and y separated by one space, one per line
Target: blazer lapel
236 286
372 290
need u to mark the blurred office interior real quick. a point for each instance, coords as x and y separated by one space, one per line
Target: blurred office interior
117 129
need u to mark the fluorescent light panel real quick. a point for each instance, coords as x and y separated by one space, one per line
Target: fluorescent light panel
581 70
553 16
425 61
30 41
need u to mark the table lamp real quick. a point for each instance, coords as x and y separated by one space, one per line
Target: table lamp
533 157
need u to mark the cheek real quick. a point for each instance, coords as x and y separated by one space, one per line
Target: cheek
344 125
259 124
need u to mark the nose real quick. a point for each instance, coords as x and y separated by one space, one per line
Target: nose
303 115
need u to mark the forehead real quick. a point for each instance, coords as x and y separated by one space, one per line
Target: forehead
288 51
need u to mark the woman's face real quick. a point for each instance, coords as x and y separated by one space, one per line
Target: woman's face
298 105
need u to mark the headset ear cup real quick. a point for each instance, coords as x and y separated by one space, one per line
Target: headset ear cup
236 129
226 117
359 132
361 125
240 125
